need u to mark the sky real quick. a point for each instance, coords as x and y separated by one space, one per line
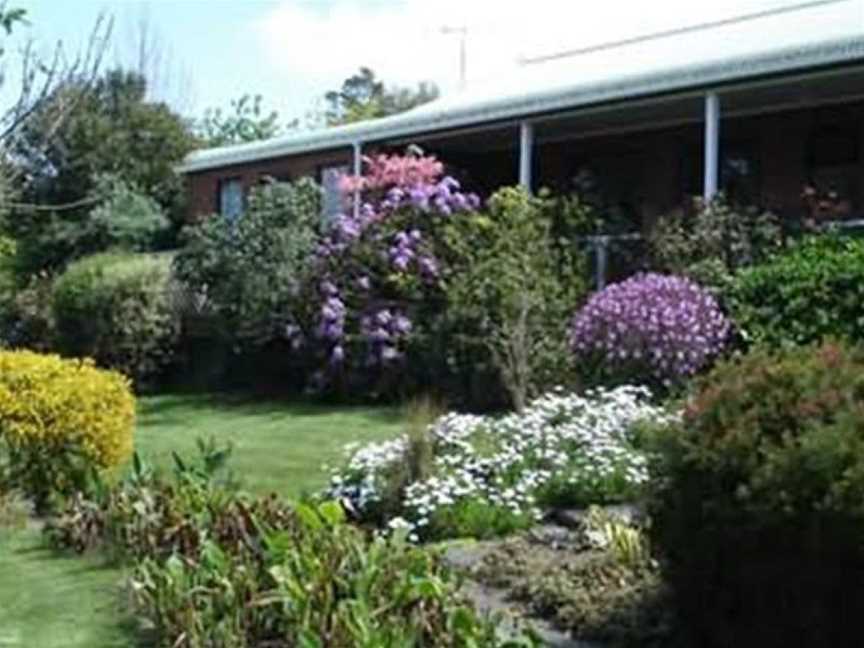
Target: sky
293 51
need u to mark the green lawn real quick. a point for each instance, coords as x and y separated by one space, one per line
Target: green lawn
277 446
51 601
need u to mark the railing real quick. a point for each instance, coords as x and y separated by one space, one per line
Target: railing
603 250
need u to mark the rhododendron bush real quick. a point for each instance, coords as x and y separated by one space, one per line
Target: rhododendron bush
492 474
650 327
378 269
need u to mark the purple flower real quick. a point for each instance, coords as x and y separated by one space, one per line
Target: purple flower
328 288
363 283
401 324
661 327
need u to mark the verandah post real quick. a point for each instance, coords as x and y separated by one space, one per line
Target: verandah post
358 155
712 146
526 153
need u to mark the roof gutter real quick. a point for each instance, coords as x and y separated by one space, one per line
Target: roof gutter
673 80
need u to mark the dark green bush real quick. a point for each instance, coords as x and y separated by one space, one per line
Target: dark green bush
248 273
813 291
710 243
759 501
117 216
119 309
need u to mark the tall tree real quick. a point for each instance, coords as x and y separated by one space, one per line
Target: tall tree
363 96
246 121
112 129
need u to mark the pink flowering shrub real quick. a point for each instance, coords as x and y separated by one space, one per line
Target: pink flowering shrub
378 267
650 328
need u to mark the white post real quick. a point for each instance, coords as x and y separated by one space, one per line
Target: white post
526 153
712 146
358 151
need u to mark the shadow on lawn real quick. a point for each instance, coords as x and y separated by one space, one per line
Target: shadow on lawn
176 408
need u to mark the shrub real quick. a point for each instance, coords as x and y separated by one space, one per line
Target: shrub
27 317
123 218
709 245
119 309
490 474
813 291
60 419
649 328
378 298
215 568
513 282
249 272
758 501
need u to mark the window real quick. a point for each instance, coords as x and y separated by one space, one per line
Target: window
332 202
231 198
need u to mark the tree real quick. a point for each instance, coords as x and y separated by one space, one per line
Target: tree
40 80
111 128
512 286
245 122
363 96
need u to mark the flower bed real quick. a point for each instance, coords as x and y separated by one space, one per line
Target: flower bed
486 476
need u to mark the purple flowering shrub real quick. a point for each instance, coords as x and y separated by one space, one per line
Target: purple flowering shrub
378 267
650 328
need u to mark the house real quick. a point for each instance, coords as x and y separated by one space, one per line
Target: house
758 105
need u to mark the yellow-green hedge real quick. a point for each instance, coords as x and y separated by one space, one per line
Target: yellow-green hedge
51 406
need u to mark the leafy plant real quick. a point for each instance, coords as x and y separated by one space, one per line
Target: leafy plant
60 420
213 568
119 309
758 499
513 282
713 241
812 291
249 273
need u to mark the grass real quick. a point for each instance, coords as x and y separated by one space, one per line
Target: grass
53 601
277 446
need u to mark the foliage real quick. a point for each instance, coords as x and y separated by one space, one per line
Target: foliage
7 274
245 122
490 474
119 309
123 218
112 128
363 96
758 499
812 291
60 420
516 282
649 328
379 294
27 317
709 244
215 569
250 272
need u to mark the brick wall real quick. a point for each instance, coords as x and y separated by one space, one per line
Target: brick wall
203 186
655 169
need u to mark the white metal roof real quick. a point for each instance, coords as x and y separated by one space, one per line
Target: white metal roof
816 34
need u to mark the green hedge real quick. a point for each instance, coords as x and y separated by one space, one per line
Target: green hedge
758 507
813 291
119 309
